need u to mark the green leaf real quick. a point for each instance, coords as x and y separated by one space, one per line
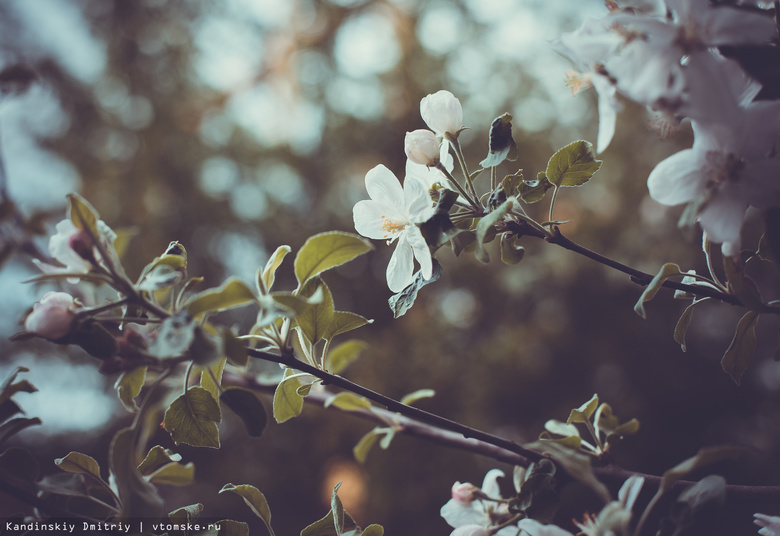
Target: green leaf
14 426
253 498
463 241
487 223
137 496
403 301
667 270
502 146
10 386
211 377
337 509
742 286
708 489
75 462
348 402
344 321
174 336
572 441
439 229
739 353
340 356
174 474
705 456
573 462
156 458
572 165
321 527
373 530
248 407
186 514
287 402
561 428
533 190
232 293
163 271
82 214
325 251
414 396
511 253
234 348
229 527
585 411
682 325
192 419
364 446
315 321
267 276
129 386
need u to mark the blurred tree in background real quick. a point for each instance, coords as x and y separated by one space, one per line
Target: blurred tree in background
237 126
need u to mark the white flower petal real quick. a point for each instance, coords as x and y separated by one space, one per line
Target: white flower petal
732 26
490 484
722 218
421 250
371 219
457 515
401 266
677 179
383 186
608 109
534 528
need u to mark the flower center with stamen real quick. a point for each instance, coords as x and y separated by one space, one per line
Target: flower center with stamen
392 227
720 167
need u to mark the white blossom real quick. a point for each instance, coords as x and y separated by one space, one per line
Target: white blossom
422 147
393 214
770 525
443 113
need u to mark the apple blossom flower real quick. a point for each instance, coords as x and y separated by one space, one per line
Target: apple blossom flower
470 530
480 512
770 525
73 248
443 113
531 527
422 147
53 316
393 214
726 171
615 517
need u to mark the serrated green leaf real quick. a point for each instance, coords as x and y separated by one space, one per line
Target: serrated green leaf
511 253
585 411
337 509
573 462
682 325
325 251
267 276
75 462
705 456
363 447
487 224
740 352
572 165
156 458
316 319
137 496
340 356
129 386
174 474
192 419
322 527
667 270
163 272
403 301
290 304
287 402
253 498
248 407
232 293
348 401
419 394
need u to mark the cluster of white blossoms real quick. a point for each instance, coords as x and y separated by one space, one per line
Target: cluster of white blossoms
395 212
666 59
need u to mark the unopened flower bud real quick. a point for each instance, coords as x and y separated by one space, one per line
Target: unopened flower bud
53 316
422 147
465 493
443 113
71 248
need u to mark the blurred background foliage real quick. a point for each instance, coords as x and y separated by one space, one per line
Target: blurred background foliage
237 126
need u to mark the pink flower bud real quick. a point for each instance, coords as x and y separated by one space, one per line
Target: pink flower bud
53 316
71 248
422 147
464 493
442 113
